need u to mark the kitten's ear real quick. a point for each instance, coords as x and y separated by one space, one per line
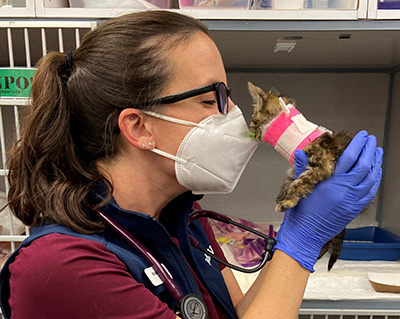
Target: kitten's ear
255 92
289 100
274 91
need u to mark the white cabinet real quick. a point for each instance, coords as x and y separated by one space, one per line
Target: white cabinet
311 10
350 10
17 8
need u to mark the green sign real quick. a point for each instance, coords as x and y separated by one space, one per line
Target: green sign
16 82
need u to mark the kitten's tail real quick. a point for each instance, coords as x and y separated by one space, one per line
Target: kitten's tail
336 245
334 257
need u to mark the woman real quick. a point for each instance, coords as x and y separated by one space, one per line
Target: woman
98 135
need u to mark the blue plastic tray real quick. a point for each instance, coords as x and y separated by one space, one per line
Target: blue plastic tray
370 243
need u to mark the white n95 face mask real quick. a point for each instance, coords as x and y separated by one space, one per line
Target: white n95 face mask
213 154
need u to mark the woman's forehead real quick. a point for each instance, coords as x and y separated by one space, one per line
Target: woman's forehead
195 63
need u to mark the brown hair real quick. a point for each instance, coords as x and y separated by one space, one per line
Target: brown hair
72 120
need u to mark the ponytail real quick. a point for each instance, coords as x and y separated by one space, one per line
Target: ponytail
48 182
72 121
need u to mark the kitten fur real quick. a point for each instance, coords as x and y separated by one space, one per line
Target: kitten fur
322 153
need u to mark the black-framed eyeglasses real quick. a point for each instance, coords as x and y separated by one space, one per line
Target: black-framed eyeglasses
222 96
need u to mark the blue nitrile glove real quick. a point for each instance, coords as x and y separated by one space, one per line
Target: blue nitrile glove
300 163
334 202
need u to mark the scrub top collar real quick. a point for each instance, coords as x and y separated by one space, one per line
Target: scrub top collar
173 217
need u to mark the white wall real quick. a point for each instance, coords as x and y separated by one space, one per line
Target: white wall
391 188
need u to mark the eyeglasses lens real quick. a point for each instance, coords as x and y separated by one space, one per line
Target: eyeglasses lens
222 96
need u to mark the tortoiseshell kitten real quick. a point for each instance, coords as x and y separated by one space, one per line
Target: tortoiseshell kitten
323 153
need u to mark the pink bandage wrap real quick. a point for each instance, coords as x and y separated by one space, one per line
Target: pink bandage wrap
290 132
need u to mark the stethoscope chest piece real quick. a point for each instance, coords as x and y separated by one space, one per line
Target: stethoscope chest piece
192 307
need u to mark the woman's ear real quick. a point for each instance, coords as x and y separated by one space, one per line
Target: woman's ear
136 127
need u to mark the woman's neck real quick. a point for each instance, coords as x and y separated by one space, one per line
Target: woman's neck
139 187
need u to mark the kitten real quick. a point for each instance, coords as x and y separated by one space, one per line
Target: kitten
323 148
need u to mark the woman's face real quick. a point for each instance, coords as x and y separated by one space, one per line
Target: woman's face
195 63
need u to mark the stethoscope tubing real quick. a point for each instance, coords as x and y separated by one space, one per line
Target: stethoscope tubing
165 277
266 258
270 242
197 213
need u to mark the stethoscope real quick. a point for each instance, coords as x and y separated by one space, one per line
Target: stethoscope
190 306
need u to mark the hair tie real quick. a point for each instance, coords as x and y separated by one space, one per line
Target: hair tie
68 65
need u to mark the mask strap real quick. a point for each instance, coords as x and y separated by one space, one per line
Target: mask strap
172 119
167 155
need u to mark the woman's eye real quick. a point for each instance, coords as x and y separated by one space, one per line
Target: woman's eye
210 102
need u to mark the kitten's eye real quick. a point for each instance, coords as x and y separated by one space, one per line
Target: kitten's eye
210 102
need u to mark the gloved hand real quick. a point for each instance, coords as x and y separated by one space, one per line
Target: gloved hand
334 202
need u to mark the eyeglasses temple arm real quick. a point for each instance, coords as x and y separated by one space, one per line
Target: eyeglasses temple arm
179 96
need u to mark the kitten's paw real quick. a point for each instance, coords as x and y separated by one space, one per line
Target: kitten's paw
283 206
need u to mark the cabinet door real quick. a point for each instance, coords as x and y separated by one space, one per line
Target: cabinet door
17 8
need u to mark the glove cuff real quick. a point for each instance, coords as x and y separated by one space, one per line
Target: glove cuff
308 264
